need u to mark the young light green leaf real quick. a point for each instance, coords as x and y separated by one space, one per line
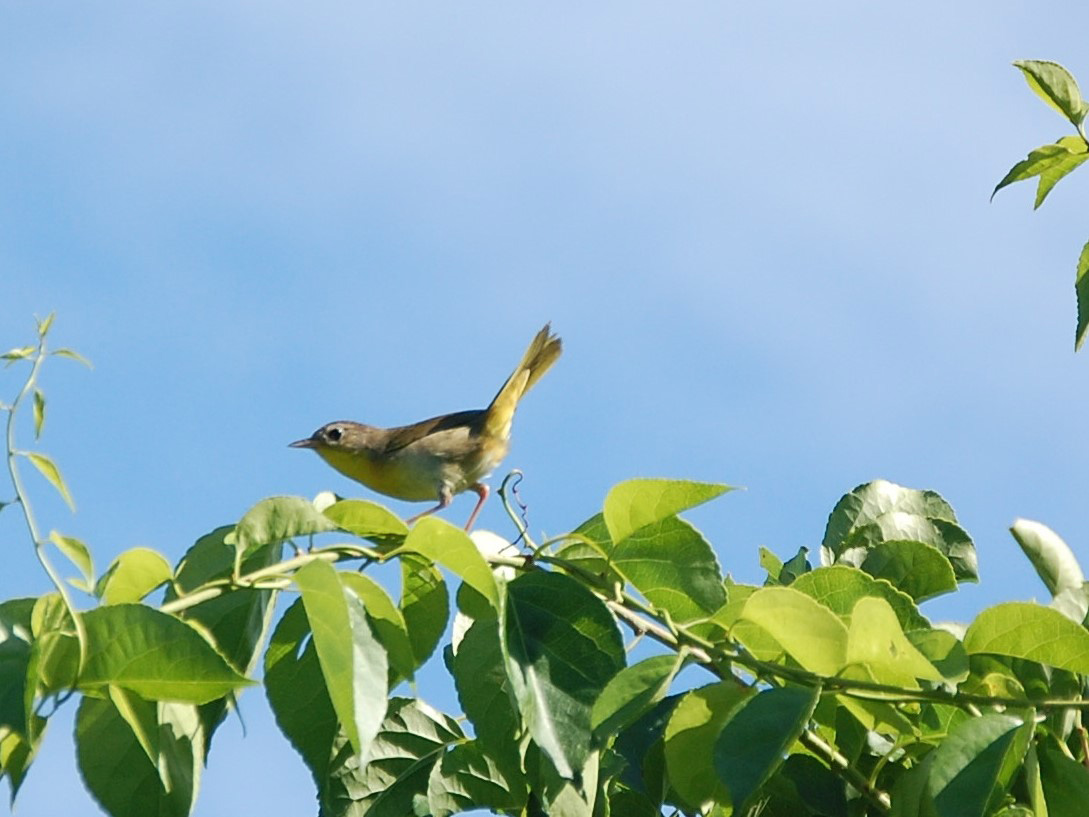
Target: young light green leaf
353 662
368 520
45 323
755 740
77 553
49 470
157 656
632 691
1056 86
1053 559
1081 288
117 771
674 568
694 726
72 354
425 604
39 412
839 587
19 353
467 778
561 646
967 766
388 624
276 520
635 503
771 564
1032 632
133 574
808 631
1050 163
452 548
876 641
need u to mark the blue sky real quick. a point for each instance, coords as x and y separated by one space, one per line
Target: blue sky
763 232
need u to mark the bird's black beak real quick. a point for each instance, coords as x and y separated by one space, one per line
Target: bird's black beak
309 442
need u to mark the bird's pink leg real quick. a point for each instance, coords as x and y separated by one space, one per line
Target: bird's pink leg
444 500
481 491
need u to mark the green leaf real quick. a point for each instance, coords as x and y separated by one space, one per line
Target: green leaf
1032 632
45 323
561 646
19 353
1055 563
55 650
425 604
673 567
39 412
1065 783
15 638
693 728
368 520
387 622
353 662
819 789
467 778
297 694
755 740
967 766
49 470
72 354
809 632
1056 86
1081 288
641 747
16 755
452 548
78 554
142 718
116 768
876 641
916 568
771 564
636 503
411 740
633 691
942 649
839 587
157 656
1050 162
484 692
133 574
278 519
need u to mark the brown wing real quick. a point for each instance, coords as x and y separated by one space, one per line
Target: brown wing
406 435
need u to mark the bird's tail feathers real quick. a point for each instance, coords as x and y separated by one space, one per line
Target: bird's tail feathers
539 357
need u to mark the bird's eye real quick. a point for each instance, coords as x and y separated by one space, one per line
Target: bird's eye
333 434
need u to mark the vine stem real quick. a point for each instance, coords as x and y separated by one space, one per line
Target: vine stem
28 511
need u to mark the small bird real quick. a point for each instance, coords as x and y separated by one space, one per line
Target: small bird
440 457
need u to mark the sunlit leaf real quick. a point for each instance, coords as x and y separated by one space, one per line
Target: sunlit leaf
967 766
1055 562
1032 632
19 353
632 691
1050 163
133 574
353 662
387 621
1056 86
72 354
810 633
77 553
635 503
467 778
367 519
694 726
49 470
917 568
452 548
876 641
157 656
839 587
45 323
